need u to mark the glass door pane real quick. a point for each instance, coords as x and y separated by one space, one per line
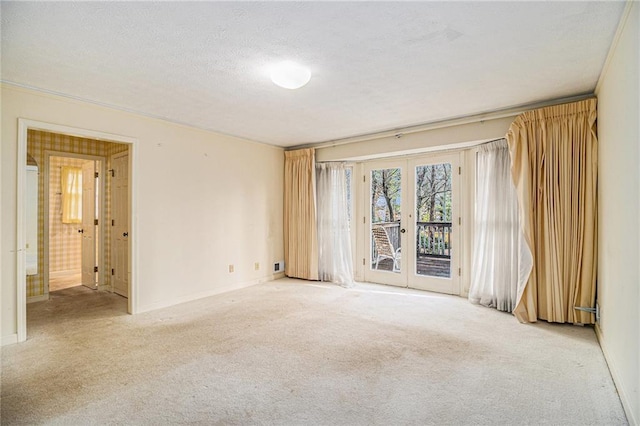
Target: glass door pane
386 212
410 228
434 255
433 220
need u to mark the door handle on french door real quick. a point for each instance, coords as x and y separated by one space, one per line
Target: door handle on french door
81 231
125 234
403 230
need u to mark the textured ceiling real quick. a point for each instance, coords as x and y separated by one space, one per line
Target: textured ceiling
376 66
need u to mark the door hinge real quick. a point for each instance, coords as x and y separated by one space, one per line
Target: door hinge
113 222
112 273
364 178
95 221
96 175
364 262
459 170
113 172
459 221
95 269
459 272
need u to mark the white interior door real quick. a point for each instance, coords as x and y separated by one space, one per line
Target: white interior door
120 224
88 230
411 223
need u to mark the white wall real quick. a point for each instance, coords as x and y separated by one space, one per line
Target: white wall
619 214
204 201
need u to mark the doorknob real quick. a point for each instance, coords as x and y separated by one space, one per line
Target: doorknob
81 231
403 230
125 234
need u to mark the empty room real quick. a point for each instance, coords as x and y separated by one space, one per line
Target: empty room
328 213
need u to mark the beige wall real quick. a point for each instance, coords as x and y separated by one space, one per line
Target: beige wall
203 201
452 136
619 214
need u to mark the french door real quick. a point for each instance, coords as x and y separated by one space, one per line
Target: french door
411 223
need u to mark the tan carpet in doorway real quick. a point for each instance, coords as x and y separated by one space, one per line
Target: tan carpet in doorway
291 352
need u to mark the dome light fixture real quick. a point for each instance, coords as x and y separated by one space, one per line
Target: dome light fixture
290 75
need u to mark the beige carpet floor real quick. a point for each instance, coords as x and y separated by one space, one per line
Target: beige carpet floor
295 353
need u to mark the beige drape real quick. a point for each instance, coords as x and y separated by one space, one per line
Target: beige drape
300 226
554 168
71 194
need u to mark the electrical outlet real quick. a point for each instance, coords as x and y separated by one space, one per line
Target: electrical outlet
230 268
256 266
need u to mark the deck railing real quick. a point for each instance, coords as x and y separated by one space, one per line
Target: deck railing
433 239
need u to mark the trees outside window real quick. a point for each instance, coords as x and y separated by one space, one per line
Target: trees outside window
433 193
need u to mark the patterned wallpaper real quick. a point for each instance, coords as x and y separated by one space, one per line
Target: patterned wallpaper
65 243
38 143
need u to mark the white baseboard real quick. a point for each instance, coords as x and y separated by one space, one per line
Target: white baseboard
9 340
201 295
41 298
617 379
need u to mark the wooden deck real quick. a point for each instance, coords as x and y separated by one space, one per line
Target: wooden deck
431 266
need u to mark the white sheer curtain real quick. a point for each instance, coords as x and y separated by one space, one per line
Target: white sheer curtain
499 271
334 238
71 194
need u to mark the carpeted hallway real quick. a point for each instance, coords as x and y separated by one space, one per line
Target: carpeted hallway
291 352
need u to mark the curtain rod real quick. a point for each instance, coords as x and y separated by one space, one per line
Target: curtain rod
491 141
444 150
491 115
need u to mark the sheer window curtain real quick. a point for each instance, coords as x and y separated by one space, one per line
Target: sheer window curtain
71 194
501 259
334 237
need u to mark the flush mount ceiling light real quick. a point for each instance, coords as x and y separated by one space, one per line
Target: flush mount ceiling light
290 75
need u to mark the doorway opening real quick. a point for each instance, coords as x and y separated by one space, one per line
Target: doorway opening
411 232
76 220
74 210
66 199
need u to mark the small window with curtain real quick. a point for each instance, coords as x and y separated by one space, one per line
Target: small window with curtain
71 194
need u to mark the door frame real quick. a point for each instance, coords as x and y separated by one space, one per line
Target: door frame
24 125
101 200
406 163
